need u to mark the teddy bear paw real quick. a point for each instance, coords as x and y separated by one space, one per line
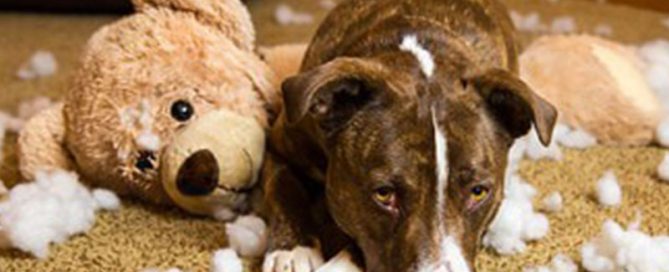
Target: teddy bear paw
300 259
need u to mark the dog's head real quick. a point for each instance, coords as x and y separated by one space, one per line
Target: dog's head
415 163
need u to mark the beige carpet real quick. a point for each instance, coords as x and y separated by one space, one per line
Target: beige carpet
138 236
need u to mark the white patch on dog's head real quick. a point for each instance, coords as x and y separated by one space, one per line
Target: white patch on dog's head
450 259
410 44
441 150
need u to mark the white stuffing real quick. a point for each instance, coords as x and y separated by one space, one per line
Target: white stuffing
655 54
563 25
516 222
327 4
559 263
49 210
247 236
609 193
147 140
665 22
140 118
106 199
604 30
535 150
663 168
42 63
617 249
226 260
410 44
553 202
577 139
662 133
527 23
285 15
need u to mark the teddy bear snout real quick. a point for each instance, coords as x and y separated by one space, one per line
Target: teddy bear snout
198 176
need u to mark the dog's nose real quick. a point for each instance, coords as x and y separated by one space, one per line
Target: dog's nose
198 176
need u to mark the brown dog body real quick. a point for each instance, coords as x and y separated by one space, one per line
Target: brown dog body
394 137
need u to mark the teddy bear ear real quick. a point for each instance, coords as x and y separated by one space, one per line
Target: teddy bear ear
229 16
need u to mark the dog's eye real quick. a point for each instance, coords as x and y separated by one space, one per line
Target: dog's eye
385 196
479 193
182 111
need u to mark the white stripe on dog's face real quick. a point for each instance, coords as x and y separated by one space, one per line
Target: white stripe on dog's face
410 44
450 258
441 151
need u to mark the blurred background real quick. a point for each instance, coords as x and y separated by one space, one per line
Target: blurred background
124 6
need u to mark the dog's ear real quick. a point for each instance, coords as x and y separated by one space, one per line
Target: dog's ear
514 105
330 98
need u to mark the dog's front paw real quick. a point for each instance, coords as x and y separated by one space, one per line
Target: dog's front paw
300 259
343 262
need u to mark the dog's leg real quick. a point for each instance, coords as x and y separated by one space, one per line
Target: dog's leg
292 246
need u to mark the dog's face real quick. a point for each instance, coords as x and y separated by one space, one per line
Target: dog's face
415 166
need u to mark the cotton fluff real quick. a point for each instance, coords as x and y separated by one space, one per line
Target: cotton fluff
577 138
247 236
42 63
604 30
527 23
51 209
106 199
662 133
609 193
285 15
663 168
535 150
226 260
617 249
553 202
656 56
563 25
559 263
516 222
410 44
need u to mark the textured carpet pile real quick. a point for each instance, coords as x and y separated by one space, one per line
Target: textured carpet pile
140 236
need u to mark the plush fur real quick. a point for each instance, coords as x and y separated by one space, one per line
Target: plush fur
131 74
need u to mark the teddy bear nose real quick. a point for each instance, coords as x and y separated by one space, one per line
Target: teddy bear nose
198 176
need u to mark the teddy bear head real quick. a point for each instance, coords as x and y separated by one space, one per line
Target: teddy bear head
171 105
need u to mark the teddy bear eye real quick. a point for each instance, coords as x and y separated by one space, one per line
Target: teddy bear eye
182 111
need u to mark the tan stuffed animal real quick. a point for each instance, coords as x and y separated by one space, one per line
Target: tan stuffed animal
597 85
169 105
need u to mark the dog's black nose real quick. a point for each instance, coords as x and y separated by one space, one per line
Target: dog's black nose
198 176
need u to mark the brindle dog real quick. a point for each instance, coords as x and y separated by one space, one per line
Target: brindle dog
393 142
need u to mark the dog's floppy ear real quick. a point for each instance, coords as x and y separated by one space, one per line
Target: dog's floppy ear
514 105
330 97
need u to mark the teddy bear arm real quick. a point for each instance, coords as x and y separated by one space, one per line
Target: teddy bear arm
41 143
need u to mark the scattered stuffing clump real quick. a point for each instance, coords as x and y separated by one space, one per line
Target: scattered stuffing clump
560 263
604 30
41 63
247 236
226 260
553 202
563 25
327 4
516 222
535 150
663 169
52 208
656 56
285 15
609 193
527 23
662 133
577 138
617 249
